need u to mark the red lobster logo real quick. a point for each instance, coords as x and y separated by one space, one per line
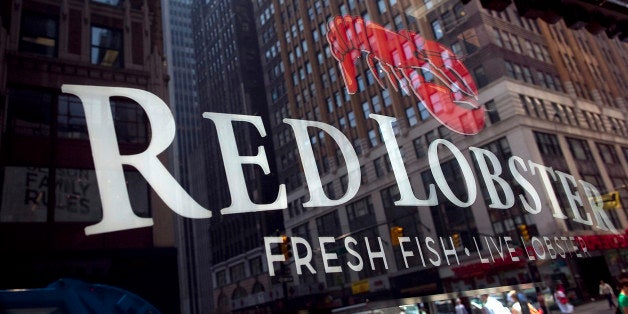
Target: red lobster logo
451 98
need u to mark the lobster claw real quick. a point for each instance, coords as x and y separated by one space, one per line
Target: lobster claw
347 68
444 105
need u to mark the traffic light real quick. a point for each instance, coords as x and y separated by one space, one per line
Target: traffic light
395 233
523 232
285 247
456 238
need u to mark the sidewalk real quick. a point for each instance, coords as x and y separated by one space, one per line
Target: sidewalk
595 307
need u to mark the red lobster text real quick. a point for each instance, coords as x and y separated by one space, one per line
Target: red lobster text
451 97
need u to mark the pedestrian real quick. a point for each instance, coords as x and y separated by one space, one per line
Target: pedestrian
460 309
622 299
607 292
562 301
520 304
541 299
490 305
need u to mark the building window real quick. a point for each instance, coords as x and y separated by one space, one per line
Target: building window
256 266
509 70
360 208
423 113
107 47
548 144
419 147
608 154
375 101
379 167
448 19
527 75
351 116
491 109
344 184
387 100
39 34
130 121
411 115
373 138
579 149
381 6
237 272
221 278
456 48
398 22
437 29
480 76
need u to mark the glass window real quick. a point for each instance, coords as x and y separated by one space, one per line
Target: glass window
411 115
366 109
30 112
480 76
437 29
351 117
237 272
39 34
493 115
381 6
448 19
608 154
373 138
419 147
256 266
579 149
362 207
548 144
107 47
130 121
398 22
387 100
221 278
379 166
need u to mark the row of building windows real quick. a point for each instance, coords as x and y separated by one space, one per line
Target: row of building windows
39 34
524 73
539 108
520 45
528 24
549 145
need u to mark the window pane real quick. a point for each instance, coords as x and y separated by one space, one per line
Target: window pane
130 121
39 34
71 118
30 112
106 47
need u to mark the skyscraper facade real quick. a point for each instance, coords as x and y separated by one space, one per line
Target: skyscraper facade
191 235
230 81
552 95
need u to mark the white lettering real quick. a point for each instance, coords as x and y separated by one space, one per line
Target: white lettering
116 207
